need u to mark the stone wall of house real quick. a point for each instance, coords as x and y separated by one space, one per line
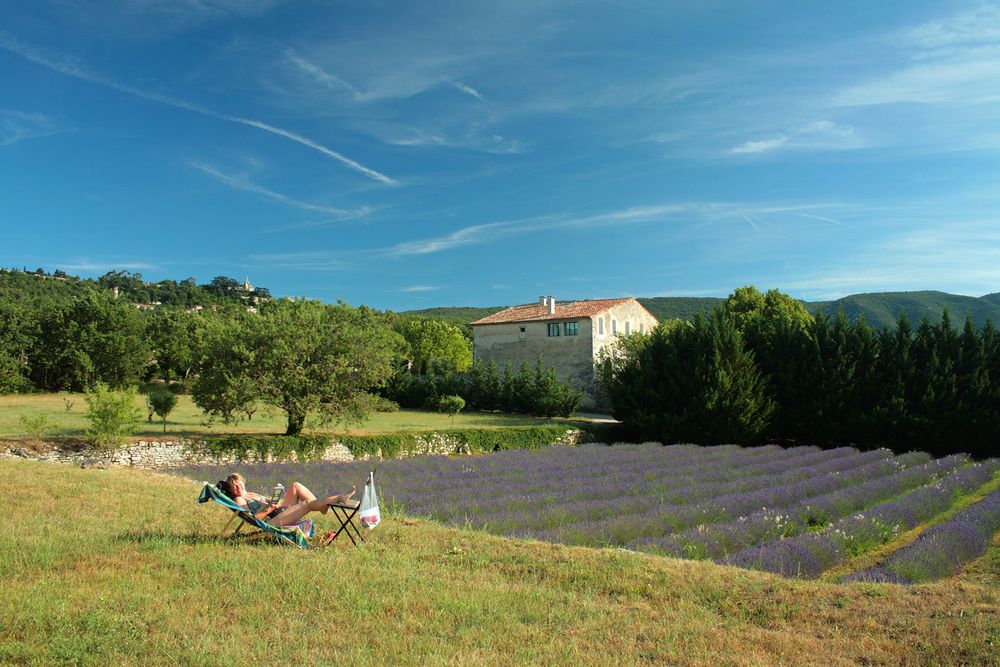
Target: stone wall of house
573 357
175 453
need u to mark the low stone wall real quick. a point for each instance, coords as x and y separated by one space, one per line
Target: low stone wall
174 453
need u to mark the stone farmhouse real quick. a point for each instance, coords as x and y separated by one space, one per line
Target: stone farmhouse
568 336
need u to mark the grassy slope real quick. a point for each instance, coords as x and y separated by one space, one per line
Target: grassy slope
136 578
188 421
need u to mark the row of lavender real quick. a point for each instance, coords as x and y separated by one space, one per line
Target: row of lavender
811 553
796 511
942 550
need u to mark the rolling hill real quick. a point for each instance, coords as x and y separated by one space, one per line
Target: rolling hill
880 309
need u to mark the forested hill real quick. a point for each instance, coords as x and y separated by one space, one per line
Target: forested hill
883 308
16 285
880 309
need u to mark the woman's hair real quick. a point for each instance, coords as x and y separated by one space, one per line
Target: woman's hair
226 485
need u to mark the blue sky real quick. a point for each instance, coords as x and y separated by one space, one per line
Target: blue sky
406 155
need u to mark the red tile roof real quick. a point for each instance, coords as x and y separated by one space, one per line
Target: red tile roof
533 312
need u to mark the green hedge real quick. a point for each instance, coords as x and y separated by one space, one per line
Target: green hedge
260 447
388 445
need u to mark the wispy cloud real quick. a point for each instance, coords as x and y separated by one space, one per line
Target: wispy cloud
18 126
146 19
702 212
818 135
468 90
419 288
327 79
955 59
243 184
304 261
103 265
69 66
960 257
760 145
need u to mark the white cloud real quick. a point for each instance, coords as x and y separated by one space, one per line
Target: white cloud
816 135
690 212
960 257
18 126
102 265
978 26
955 59
419 288
973 78
760 145
151 19
248 186
70 67
468 90
331 81
305 261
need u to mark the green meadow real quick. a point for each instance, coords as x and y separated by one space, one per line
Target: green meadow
123 567
66 414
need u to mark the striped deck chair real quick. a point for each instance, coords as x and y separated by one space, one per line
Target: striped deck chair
296 534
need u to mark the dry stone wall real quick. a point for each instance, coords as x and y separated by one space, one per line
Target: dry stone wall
174 453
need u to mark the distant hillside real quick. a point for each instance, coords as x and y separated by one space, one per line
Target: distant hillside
460 314
880 309
39 285
992 298
678 307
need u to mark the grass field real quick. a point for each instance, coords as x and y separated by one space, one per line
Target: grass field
187 420
120 566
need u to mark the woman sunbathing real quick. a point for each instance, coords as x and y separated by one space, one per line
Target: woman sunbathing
298 502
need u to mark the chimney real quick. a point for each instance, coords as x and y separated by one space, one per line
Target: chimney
543 300
552 305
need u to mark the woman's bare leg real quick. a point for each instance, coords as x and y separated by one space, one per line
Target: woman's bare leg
298 493
299 510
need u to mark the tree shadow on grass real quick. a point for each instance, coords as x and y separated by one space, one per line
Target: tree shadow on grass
145 538
164 539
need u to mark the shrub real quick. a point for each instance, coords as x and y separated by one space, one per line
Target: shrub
382 404
385 445
162 402
35 425
262 447
451 405
112 414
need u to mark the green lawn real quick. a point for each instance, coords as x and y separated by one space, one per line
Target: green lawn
121 567
187 420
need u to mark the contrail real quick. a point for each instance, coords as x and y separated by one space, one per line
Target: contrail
68 66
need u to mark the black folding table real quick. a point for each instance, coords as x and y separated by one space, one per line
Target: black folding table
345 513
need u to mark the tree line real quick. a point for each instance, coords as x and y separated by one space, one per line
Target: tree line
760 368
311 360
130 286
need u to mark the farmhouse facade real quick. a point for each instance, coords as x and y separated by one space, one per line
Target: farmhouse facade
567 336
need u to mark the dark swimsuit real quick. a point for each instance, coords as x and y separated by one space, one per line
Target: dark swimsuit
255 506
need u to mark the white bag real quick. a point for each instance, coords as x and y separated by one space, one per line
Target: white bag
368 512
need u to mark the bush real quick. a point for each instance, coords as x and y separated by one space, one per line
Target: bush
451 405
162 402
382 404
262 447
386 445
112 415
35 425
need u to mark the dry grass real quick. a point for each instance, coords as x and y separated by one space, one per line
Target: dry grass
188 421
118 566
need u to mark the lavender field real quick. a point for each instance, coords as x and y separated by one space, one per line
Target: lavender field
796 512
